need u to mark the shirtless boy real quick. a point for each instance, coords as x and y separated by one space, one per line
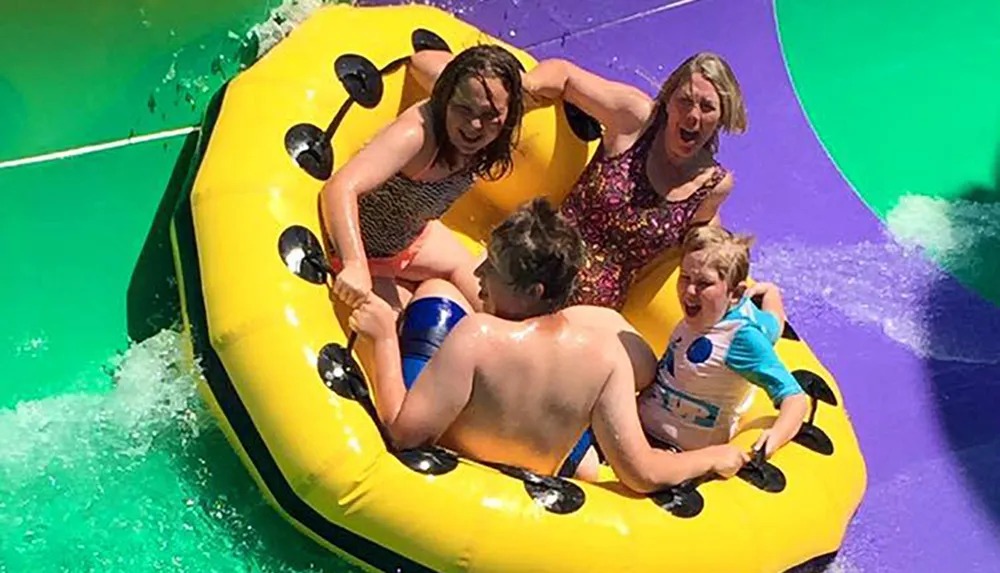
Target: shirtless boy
519 383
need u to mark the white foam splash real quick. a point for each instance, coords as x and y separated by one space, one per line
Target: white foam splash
842 564
137 478
888 285
953 231
152 391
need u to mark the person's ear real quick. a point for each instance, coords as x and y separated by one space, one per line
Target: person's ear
537 290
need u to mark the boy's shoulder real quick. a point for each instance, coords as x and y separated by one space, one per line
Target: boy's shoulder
746 315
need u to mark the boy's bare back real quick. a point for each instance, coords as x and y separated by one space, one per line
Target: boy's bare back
536 383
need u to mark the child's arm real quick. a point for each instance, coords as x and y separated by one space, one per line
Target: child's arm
790 415
752 355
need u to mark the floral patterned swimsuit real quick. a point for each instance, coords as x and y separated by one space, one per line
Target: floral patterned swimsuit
625 224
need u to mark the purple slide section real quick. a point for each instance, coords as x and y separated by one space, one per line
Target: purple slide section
928 431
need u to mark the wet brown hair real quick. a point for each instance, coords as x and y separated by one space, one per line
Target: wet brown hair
535 244
479 63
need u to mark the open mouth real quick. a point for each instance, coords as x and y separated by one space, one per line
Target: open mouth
691 309
688 136
470 141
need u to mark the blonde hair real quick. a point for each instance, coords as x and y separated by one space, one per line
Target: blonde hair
726 253
711 66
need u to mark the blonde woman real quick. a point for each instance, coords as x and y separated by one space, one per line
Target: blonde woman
655 175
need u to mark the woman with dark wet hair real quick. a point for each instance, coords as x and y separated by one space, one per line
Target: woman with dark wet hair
655 174
381 209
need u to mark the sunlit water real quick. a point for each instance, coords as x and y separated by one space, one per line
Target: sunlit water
139 478
136 479
954 231
892 284
282 21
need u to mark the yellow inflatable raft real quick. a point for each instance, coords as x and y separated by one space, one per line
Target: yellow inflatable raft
276 375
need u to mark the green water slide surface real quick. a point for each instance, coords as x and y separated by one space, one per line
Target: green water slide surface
86 249
125 472
903 96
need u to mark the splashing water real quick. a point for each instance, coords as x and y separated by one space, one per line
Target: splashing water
894 285
887 285
949 229
136 479
842 565
962 235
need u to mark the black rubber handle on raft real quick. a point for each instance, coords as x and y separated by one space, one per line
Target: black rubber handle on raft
683 500
422 39
310 146
555 494
810 435
762 474
363 82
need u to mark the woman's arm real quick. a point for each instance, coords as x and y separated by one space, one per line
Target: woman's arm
427 65
622 109
708 212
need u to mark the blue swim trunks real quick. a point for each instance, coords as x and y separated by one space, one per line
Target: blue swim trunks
574 458
422 330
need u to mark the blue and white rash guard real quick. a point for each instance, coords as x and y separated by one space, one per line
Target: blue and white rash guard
703 383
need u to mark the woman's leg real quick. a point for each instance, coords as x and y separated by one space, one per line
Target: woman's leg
442 256
391 291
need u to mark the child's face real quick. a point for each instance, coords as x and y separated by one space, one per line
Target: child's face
705 297
476 114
